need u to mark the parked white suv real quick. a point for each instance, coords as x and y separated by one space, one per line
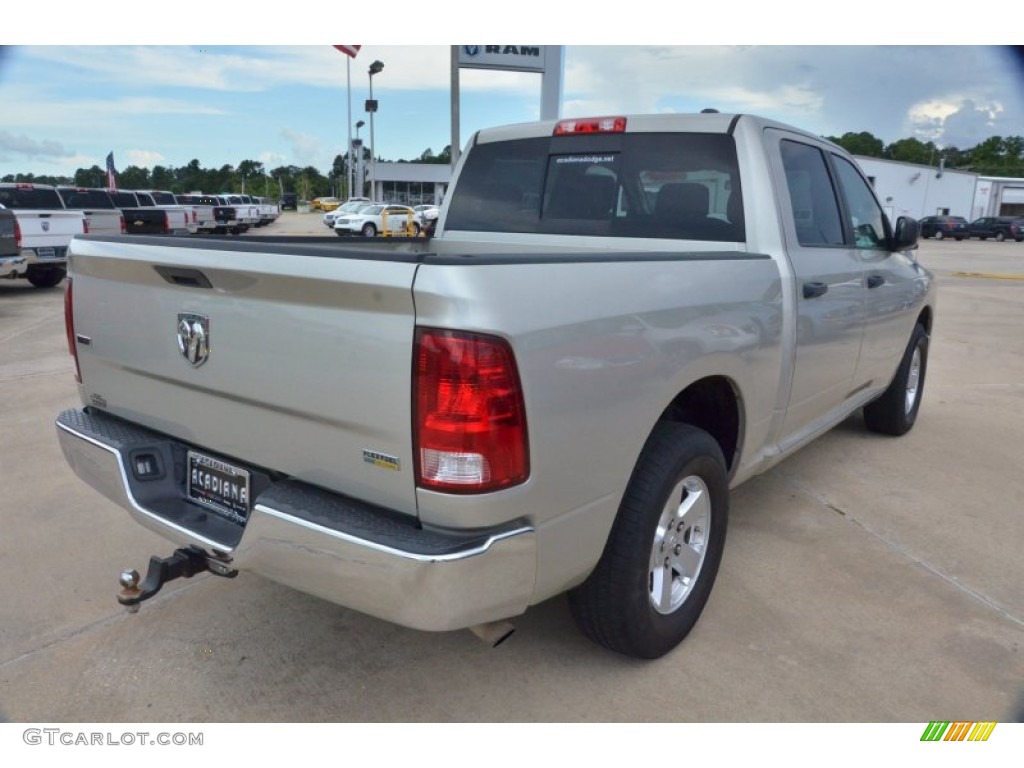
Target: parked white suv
352 206
376 219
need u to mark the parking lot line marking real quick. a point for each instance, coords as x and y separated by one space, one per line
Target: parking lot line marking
989 275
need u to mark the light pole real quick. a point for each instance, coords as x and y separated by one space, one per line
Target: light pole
371 107
355 162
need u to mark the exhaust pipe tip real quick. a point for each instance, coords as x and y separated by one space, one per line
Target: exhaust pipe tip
494 633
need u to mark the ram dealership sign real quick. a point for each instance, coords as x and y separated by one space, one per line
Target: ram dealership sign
518 58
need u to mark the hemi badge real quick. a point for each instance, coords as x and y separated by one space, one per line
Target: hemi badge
382 460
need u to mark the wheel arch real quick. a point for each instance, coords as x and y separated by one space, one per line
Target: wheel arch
713 404
925 318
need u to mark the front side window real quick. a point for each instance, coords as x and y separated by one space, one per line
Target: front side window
866 219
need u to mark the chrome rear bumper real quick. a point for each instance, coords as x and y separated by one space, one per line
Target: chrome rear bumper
349 552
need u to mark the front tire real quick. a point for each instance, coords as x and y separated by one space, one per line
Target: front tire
662 555
939 235
895 412
369 230
1000 237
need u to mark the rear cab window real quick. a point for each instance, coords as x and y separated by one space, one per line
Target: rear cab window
81 199
30 198
647 185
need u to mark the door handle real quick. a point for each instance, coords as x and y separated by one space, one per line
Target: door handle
811 290
875 280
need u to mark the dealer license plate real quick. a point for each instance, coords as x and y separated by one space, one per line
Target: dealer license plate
222 487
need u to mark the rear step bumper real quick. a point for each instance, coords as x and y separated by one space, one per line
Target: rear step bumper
355 554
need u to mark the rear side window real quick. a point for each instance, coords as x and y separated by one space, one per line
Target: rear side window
679 186
816 216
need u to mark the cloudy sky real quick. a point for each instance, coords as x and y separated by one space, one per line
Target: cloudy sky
66 106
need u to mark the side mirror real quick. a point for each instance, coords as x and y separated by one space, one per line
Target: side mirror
906 234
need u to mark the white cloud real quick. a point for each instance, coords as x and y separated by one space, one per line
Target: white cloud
27 147
305 148
145 158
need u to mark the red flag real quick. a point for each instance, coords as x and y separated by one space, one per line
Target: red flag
349 50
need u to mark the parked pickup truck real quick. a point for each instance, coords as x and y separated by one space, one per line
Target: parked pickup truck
178 216
100 214
210 215
140 219
247 212
44 230
618 320
12 263
268 211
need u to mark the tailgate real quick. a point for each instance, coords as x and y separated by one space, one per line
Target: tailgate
49 229
307 369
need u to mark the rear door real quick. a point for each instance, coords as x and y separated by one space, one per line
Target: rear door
830 291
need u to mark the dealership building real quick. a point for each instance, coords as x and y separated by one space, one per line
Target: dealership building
907 189
411 183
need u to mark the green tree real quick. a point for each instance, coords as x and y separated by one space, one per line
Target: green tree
913 151
163 178
134 177
190 177
864 144
248 169
90 177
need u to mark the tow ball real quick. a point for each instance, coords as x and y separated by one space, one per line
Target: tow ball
184 563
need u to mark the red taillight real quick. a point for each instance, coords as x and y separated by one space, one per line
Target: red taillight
590 125
85 226
469 416
69 327
124 229
17 234
167 223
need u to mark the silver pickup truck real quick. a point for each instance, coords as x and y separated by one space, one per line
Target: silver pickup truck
618 320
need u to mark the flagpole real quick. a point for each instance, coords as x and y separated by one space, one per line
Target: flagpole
348 147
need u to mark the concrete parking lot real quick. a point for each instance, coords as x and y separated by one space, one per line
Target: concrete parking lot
865 579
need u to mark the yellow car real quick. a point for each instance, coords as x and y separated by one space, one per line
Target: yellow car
328 203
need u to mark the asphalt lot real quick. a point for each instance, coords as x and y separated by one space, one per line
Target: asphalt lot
866 579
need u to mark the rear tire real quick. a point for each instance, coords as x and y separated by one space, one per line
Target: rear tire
46 278
895 412
1000 236
662 555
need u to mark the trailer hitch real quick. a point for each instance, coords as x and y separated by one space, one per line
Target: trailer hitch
184 563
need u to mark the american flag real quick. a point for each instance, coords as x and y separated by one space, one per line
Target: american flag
349 50
111 172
